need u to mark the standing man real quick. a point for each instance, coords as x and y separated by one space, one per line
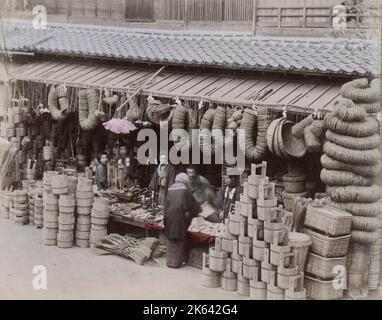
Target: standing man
163 178
180 208
200 186
101 173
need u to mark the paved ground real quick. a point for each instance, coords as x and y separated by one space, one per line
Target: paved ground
77 273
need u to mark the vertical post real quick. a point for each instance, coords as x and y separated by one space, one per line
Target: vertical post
68 10
254 16
185 14
279 26
304 17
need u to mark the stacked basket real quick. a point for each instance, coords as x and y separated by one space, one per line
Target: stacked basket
38 208
84 205
330 232
294 187
254 256
99 219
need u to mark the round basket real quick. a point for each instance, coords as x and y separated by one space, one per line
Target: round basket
300 242
271 134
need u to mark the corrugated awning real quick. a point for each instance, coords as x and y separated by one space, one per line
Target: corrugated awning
303 96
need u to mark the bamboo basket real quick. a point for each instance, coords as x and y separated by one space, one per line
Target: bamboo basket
328 247
323 267
321 289
328 220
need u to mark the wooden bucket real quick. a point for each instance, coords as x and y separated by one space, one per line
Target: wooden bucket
84 184
60 184
84 202
101 204
48 153
211 279
67 200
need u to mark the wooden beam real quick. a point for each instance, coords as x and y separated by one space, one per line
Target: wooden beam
254 16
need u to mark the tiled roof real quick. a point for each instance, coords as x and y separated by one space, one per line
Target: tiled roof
233 51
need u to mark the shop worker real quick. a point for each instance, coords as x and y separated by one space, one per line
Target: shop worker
124 166
101 173
163 178
200 186
180 208
228 195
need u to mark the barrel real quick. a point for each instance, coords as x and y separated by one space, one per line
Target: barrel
60 184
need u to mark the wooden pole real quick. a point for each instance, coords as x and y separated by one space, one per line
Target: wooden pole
254 17
185 14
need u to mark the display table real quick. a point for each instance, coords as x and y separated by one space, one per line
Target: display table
195 236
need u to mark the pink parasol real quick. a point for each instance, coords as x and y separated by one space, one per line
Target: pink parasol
119 126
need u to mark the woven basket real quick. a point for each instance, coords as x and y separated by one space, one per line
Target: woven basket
300 242
327 246
328 220
323 267
321 290
295 147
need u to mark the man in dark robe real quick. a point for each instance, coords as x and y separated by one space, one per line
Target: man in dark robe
180 208
101 173
228 195
162 179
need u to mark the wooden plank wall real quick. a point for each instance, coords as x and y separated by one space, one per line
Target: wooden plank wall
292 12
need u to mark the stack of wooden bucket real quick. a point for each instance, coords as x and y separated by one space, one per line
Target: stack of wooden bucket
99 219
84 204
20 207
66 220
329 229
254 256
294 186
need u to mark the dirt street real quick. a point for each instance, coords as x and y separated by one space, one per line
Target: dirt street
78 273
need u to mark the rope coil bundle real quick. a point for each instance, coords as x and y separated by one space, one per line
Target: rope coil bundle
180 122
58 102
366 143
298 128
351 156
255 151
346 110
135 111
157 111
88 103
205 131
351 160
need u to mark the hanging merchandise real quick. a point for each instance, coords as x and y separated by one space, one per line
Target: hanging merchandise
255 124
88 104
157 111
58 102
135 111
120 126
180 123
205 131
